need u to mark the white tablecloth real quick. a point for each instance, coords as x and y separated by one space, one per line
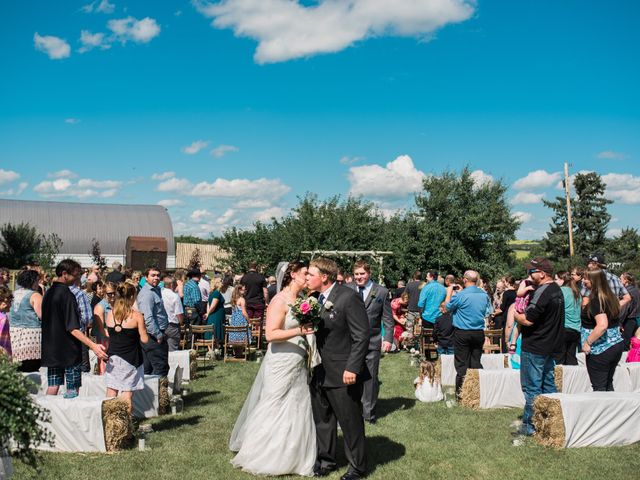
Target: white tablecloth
600 419
76 423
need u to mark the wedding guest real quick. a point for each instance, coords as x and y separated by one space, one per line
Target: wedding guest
86 318
413 289
255 291
5 277
98 293
25 321
431 296
239 318
427 386
272 288
175 312
150 304
205 287
571 329
400 288
5 335
227 292
399 313
541 329
629 312
596 262
469 308
443 332
634 351
192 300
61 334
115 275
180 275
215 311
602 341
99 317
126 327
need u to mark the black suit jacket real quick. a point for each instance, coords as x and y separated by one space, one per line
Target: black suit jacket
342 337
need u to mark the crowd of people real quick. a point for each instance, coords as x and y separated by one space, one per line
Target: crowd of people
132 319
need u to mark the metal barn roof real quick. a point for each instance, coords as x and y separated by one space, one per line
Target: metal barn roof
78 223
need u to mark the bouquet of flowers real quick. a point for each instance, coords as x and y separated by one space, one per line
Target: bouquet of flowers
307 310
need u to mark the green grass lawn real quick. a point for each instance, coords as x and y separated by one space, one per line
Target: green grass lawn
410 441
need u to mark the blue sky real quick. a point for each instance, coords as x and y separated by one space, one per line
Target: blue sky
226 111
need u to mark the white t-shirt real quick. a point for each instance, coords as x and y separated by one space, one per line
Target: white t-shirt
172 305
204 289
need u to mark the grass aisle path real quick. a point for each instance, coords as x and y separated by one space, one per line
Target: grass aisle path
410 441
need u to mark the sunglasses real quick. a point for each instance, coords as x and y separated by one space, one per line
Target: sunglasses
111 294
532 270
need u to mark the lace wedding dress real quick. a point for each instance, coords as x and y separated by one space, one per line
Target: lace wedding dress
274 433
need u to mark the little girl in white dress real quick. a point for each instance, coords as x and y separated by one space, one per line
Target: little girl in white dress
428 387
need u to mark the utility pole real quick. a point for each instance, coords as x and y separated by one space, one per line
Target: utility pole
567 189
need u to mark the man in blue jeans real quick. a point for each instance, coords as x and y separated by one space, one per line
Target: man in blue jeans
541 327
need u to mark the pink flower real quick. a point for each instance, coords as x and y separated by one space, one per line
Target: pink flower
305 308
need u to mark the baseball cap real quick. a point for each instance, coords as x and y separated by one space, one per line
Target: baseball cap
540 263
596 257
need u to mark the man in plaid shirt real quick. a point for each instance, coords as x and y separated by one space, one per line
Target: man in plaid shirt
596 262
86 319
192 298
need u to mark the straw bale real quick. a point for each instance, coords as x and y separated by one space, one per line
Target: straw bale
548 422
164 399
116 421
193 364
470 391
506 361
558 375
438 370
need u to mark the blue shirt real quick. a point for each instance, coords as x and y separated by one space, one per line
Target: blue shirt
469 308
151 306
86 314
431 296
192 294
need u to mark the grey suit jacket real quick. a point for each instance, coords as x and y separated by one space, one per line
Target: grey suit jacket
378 306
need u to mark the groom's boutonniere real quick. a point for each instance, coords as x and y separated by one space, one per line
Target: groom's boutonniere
328 306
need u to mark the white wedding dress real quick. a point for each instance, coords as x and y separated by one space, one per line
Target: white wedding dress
275 433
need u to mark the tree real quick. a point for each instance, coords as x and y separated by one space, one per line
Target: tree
623 251
465 225
195 260
556 241
590 214
22 244
96 255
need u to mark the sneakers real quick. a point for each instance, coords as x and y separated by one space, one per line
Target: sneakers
70 394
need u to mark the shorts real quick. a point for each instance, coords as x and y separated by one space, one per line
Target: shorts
56 376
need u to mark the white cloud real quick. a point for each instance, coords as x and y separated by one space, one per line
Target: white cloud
102 7
287 29
163 176
256 203
622 187
226 217
480 178
266 215
527 198
7 176
22 186
170 202
613 232
198 215
88 183
242 188
398 178
90 41
221 150
611 155
130 28
51 187
347 160
537 179
62 174
57 48
174 185
523 217
195 147
84 188
72 121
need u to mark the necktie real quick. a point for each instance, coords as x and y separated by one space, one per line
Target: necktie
321 299
361 290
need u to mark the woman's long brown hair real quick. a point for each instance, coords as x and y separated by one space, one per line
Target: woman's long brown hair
125 296
601 292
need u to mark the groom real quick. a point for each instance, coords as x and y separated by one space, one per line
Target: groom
336 385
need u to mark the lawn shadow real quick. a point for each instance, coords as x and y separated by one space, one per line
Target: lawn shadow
382 450
199 398
175 421
385 406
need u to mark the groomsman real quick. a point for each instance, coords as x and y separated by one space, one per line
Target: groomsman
378 306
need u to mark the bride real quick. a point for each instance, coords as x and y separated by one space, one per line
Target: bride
275 433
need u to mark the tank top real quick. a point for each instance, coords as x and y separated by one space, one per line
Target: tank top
126 345
22 313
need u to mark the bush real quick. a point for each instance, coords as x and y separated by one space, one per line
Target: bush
19 416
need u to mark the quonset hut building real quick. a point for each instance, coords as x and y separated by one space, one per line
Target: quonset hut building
134 235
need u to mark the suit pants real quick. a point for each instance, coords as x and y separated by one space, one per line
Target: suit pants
371 387
333 405
467 350
156 357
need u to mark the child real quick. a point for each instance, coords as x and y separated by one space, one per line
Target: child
239 318
634 352
5 303
443 332
399 312
427 386
523 296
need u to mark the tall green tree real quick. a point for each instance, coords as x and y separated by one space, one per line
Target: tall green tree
623 251
590 214
463 224
21 244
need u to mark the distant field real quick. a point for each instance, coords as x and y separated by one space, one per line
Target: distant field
523 247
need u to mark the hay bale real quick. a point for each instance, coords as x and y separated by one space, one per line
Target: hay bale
116 421
193 364
470 391
558 375
506 362
548 422
438 370
164 399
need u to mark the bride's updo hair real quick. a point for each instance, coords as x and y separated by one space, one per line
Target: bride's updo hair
293 267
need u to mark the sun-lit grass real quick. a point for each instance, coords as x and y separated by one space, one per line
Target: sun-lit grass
410 441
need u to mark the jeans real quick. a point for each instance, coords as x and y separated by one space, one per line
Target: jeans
536 377
445 350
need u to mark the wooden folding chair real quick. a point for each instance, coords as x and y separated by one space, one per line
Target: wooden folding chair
493 341
185 337
229 351
428 347
203 347
257 331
